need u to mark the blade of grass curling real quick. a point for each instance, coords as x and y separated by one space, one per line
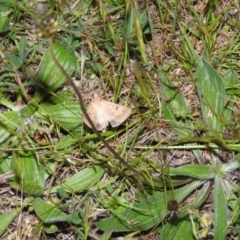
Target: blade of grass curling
211 92
139 35
143 85
220 210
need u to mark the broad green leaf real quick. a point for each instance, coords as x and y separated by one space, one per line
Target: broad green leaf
60 98
83 180
201 197
14 62
48 213
6 219
49 74
201 172
30 175
6 163
232 165
211 93
145 214
4 24
220 210
230 80
178 229
67 115
9 121
175 111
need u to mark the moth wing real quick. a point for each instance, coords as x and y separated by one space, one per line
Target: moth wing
97 114
103 112
116 113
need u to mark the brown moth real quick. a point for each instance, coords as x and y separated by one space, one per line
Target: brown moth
103 112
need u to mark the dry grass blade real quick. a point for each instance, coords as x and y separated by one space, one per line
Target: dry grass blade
4 177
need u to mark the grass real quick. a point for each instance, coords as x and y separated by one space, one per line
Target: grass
170 171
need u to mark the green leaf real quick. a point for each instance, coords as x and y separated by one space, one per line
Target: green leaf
30 175
67 115
9 121
6 219
211 92
178 229
201 172
233 164
4 24
106 235
14 61
230 80
145 214
48 213
61 193
201 197
49 73
82 180
220 210
175 111
50 229
77 218
22 48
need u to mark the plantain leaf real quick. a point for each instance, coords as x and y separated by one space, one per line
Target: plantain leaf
67 114
14 61
230 81
220 210
177 229
6 219
202 172
145 214
175 111
47 212
83 180
49 74
30 175
211 92
9 121
4 24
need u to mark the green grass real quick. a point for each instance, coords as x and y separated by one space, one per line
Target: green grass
170 171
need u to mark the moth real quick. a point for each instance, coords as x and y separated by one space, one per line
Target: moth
103 112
